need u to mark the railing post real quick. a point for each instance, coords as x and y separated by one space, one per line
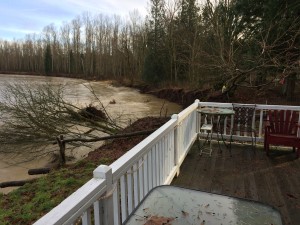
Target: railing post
176 145
197 122
105 172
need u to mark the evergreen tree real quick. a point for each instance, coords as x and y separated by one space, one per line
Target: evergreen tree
156 58
187 35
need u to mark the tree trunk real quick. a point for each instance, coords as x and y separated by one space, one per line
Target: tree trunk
62 148
289 87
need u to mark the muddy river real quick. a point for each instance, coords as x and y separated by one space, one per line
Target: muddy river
129 106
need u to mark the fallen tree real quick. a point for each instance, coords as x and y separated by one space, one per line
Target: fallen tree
62 142
33 116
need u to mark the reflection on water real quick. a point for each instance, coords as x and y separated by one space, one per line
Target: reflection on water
129 106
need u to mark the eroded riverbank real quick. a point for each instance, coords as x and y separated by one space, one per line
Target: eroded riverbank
123 103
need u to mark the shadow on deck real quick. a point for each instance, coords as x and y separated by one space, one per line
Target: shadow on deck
274 180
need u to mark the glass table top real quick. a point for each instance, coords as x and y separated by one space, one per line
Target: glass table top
169 205
216 111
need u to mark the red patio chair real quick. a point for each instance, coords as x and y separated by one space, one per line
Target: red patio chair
281 129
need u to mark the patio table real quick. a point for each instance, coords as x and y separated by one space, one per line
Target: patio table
221 113
170 205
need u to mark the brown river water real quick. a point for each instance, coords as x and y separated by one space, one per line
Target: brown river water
129 106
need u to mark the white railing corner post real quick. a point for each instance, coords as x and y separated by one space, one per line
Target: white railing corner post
176 145
105 172
197 102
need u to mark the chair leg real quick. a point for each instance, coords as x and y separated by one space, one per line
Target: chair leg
230 145
202 147
199 144
254 146
252 143
267 147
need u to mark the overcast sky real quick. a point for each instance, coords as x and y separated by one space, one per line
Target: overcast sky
21 17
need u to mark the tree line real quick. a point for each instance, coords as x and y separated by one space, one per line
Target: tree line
222 44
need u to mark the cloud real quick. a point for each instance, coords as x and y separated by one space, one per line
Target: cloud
18 16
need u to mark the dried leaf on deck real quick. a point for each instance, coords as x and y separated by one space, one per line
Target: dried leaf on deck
184 214
159 220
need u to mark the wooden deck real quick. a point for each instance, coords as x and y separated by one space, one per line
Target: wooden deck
274 180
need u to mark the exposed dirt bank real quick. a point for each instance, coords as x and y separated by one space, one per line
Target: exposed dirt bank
268 95
271 95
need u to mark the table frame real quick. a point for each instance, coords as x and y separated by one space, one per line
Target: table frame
221 113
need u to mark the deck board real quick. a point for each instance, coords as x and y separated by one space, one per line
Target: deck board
249 174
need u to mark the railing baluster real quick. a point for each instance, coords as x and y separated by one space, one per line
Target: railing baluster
146 175
129 191
163 157
123 198
161 170
97 212
135 184
154 168
173 153
141 179
86 217
116 203
150 173
157 182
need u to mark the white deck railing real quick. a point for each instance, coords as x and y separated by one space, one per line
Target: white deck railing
115 190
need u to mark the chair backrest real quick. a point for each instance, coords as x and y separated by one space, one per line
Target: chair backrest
283 121
243 115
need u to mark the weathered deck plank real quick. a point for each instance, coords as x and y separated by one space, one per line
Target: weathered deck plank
247 174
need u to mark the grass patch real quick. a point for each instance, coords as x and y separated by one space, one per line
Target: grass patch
28 203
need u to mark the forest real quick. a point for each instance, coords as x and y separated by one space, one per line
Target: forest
222 45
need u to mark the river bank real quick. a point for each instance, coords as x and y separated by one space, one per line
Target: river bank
271 94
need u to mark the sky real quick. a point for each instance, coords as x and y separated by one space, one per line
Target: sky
21 17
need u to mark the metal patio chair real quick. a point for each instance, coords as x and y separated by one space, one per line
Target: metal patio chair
243 122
